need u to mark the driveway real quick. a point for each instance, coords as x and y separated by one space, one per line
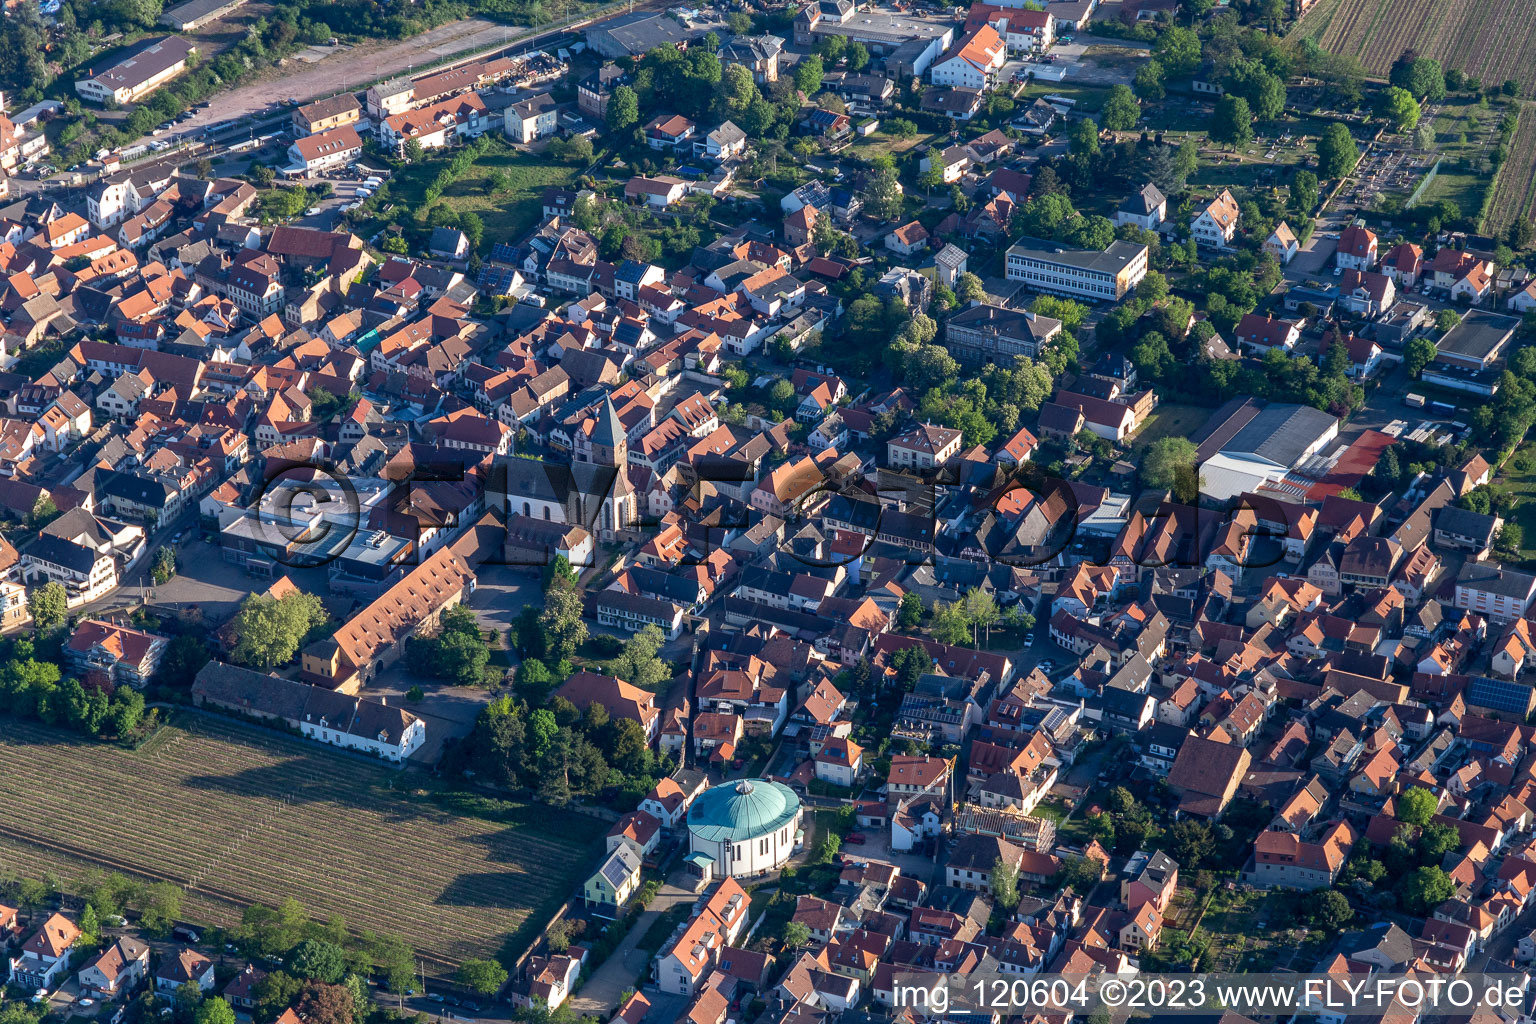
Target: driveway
599 996
1112 62
877 847
449 711
502 592
1314 261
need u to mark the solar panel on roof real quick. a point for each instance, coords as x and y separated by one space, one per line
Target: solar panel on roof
504 252
496 280
1498 694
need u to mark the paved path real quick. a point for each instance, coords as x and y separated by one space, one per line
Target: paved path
600 994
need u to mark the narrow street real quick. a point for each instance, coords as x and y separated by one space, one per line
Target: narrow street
600 994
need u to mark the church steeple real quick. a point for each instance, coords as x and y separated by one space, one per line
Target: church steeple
610 446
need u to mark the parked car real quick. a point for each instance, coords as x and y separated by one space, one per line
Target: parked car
1029 640
856 838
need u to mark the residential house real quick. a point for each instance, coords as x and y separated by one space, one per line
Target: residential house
1216 223
616 879
1356 249
44 957
531 119
116 971
120 653
183 967
1282 243
1146 208
974 61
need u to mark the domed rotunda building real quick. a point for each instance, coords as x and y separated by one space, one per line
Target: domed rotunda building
745 828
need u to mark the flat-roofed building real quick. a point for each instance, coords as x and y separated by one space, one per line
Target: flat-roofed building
1046 266
138 75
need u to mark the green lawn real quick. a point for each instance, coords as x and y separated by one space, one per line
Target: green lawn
507 215
871 146
1089 97
1170 419
1518 477
1461 178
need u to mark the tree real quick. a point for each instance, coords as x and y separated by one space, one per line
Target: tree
640 662
981 612
1121 111
483 976
1152 357
1149 81
1178 51
857 56
1232 122
456 652
949 625
808 74
911 610
1424 889
1417 354
1329 910
1005 884
577 149
560 622
90 926
1446 319
882 193
185 1002
623 108
1083 139
315 960
1190 843
165 565
268 631
1416 806
1337 154
325 1004
1153 288
1080 874
214 1011
1422 77
796 934
1399 108
1169 465
413 151
44 511
969 288
1304 193
1435 841
49 606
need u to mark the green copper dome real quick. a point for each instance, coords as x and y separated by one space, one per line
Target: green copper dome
736 811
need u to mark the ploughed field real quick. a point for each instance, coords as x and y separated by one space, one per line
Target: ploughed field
236 815
1492 40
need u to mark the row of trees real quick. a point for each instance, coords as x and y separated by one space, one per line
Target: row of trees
973 617
34 688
